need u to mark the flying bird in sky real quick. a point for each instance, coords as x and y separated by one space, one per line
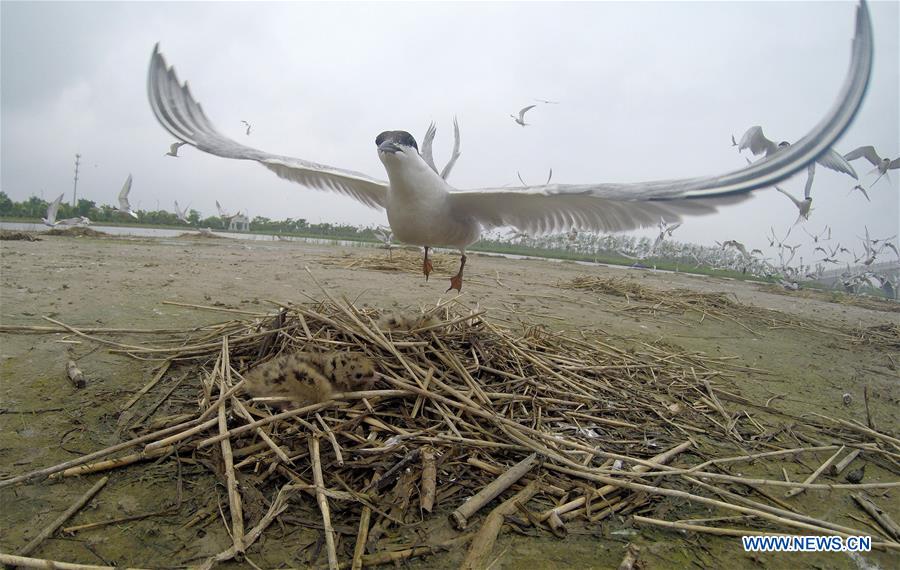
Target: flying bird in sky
424 210
124 205
182 214
248 127
882 165
803 206
861 189
521 118
546 102
428 156
173 150
52 210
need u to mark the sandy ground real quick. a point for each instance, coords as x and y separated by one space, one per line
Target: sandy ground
121 282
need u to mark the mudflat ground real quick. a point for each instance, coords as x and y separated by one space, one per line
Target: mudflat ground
803 361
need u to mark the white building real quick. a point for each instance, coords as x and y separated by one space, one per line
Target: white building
239 223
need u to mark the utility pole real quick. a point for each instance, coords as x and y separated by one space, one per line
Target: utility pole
75 189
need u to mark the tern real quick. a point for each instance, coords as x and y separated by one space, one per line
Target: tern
173 149
549 177
427 155
521 118
757 143
882 165
182 214
546 102
124 206
76 221
226 217
248 127
422 209
861 189
804 206
52 210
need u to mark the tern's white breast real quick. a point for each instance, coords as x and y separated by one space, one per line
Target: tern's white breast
419 209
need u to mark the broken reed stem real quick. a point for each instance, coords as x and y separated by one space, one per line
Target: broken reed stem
11 560
61 519
361 536
661 459
332 439
880 516
162 371
234 498
429 479
74 374
95 455
814 475
460 516
838 467
319 482
483 541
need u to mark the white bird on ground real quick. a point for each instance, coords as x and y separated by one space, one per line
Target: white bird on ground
52 210
76 221
173 149
124 205
521 118
882 165
424 210
248 127
182 214
803 206
427 154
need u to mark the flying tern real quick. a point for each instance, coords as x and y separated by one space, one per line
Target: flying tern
173 149
248 127
124 205
52 210
428 156
882 165
182 214
803 206
424 210
521 118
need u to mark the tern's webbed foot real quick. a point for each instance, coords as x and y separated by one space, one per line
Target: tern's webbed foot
456 280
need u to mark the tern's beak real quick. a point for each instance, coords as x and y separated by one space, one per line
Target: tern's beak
388 147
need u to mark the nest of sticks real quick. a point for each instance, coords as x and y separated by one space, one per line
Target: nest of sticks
566 430
7 235
75 231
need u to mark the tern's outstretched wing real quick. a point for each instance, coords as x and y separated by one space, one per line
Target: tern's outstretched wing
453 157
756 141
178 113
123 194
867 152
53 208
614 207
524 110
427 144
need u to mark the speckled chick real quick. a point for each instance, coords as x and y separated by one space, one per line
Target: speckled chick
289 376
397 322
347 371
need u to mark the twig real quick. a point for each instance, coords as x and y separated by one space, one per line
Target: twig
815 474
61 519
483 542
461 515
323 501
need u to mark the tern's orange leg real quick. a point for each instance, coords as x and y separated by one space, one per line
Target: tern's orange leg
456 280
427 267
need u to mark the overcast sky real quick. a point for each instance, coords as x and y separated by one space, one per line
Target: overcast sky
646 91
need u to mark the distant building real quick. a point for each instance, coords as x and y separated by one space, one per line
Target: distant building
239 223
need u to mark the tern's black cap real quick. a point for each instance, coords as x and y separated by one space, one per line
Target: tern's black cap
398 137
